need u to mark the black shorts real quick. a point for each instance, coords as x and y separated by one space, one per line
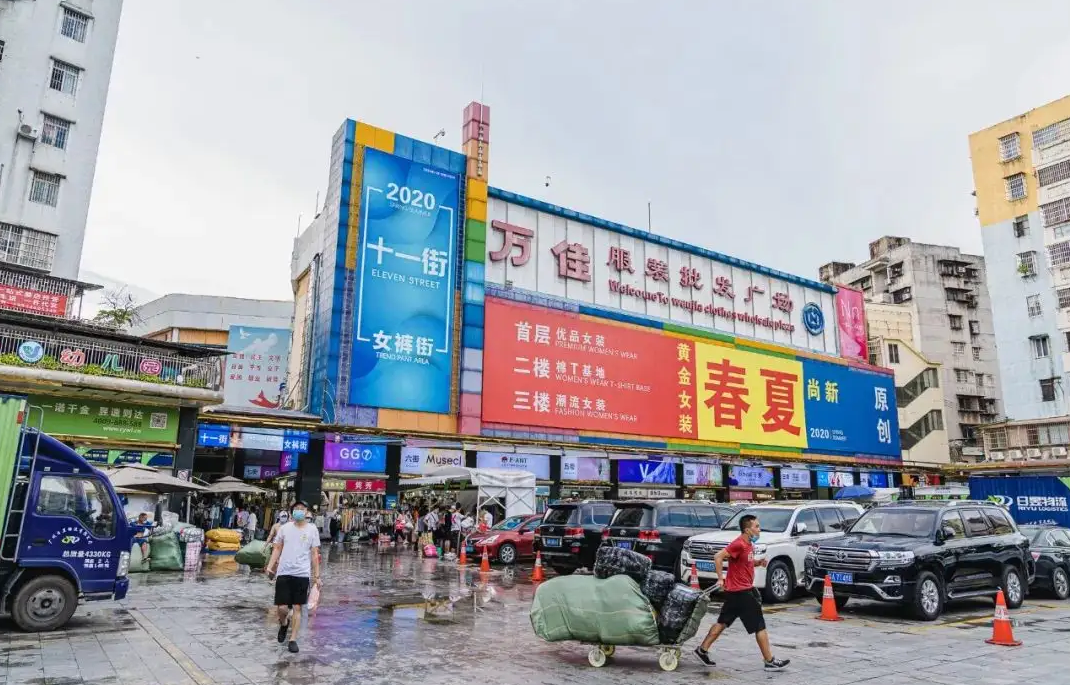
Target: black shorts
291 591
746 606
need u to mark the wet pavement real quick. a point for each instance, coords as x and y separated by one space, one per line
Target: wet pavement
394 618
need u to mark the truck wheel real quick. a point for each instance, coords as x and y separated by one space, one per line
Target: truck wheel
44 603
1013 590
928 602
779 583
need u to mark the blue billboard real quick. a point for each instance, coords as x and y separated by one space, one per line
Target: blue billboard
403 313
1030 499
646 471
850 410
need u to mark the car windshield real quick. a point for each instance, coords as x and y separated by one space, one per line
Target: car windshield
510 523
771 519
911 523
560 515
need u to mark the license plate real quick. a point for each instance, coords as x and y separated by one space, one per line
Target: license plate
624 545
842 577
706 566
552 542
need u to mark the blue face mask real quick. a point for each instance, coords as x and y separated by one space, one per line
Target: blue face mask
754 538
299 515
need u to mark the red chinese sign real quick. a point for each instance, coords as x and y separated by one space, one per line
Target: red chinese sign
32 301
548 368
366 486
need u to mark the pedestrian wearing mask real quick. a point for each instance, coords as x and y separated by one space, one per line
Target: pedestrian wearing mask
296 557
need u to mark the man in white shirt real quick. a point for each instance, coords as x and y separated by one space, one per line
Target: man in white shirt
296 556
250 526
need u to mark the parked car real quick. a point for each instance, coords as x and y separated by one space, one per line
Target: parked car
510 540
1050 549
788 528
924 553
570 533
659 529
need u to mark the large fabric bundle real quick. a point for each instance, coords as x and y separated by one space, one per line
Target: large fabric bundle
677 613
255 555
612 561
656 586
137 562
162 530
607 612
166 554
191 534
217 546
224 535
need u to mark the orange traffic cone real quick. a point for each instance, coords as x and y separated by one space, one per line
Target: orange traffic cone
484 564
828 603
537 575
1002 634
463 558
694 577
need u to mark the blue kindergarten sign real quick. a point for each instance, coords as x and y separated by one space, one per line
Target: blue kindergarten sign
850 410
1030 499
402 343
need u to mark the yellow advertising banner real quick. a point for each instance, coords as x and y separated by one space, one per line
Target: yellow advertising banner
749 397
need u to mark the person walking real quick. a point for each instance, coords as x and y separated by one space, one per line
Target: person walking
296 557
250 526
741 598
280 520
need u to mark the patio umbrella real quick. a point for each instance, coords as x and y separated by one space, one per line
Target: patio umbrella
231 485
149 480
855 492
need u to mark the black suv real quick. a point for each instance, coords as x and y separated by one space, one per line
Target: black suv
659 529
571 532
924 553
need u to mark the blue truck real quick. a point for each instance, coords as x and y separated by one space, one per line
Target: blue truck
65 534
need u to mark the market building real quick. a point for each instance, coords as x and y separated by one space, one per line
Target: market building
456 323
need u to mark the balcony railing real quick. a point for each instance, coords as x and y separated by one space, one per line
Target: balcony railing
28 348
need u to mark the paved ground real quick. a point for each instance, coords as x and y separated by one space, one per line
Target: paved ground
390 618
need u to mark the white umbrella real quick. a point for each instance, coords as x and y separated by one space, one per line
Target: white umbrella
148 479
232 485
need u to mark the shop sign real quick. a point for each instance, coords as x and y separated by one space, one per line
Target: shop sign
740 496
334 484
750 476
795 479
590 469
213 435
366 485
646 493
558 369
537 464
646 471
270 439
851 316
288 462
342 456
423 460
873 479
92 418
574 260
256 366
252 473
835 479
32 301
390 501
103 455
403 335
703 475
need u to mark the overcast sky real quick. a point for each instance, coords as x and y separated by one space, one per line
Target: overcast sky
789 133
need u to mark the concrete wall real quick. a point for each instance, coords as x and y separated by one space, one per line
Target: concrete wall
190 313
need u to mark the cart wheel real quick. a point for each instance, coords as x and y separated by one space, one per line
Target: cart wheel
668 660
596 657
608 650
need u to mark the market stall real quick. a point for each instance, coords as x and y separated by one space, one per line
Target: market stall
513 491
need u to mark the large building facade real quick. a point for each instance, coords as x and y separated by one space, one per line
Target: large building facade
951 321
55 67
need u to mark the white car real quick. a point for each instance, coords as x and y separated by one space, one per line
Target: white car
788 530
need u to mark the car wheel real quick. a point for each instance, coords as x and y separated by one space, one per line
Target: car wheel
507 554
928 601
779 583
1013 589
1060 583
44 603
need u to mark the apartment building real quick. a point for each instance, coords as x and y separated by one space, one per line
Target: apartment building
55 66
206 319
951 325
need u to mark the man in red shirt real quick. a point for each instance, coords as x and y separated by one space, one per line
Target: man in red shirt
741 599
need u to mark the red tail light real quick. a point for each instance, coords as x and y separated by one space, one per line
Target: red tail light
574 532
650 535
1036 556
605 533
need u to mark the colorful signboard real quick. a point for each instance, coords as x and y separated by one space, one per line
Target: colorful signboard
97 419
795 479
873 479
585 469
559 369
703 475
835 479
851 321
424 460
573 259
537 464
402 342
653 471
271 439
342 456
288 462
32 301
750 476
1037 500
213 435
99 455
370 486
257 472
256 366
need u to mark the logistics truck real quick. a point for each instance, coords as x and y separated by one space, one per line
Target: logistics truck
65 535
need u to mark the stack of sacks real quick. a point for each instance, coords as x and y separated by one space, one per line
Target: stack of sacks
223 540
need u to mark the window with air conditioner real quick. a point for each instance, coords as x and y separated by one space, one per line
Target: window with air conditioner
996 439
65 77
1032 306
1041 346
1010 147
1021 226
1047 390
1027 264
75 25
1055 173
55 132
1032 436
1015 185
44 188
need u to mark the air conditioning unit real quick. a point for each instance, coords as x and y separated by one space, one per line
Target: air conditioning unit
1033 453
1059 452
1014 455
28 132
960 270
995 456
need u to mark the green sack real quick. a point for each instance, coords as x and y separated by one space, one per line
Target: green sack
613 611
254 555
166 554
137 563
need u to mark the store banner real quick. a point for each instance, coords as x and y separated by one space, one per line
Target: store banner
850 409
750 476
740 496
653 471
271 439
703 475
32 301
873 479
835 479
102 455
585 469
403 314
646 493
376 486
213 435
425 460
342 456
538 464
796 479
256 366
851 319
333 485
107 419
288 462
1035 500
